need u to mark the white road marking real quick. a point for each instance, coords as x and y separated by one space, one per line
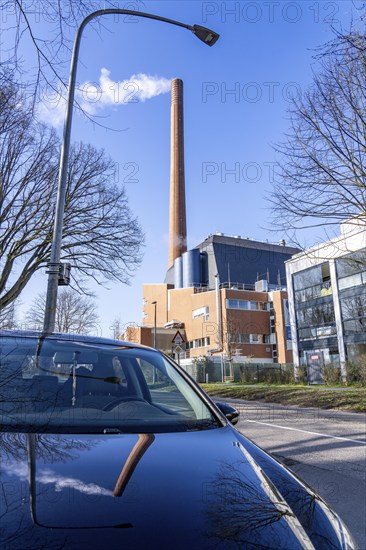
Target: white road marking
307 432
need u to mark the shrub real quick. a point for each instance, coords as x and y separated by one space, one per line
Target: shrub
356 370
248 374
264 374
302 374
332 374
272 376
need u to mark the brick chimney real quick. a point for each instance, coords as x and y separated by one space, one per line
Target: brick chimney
177 209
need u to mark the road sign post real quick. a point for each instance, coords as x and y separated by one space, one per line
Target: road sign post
178 347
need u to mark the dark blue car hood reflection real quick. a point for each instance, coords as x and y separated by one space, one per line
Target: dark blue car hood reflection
204 489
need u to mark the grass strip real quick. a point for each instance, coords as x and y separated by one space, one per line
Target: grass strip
345 399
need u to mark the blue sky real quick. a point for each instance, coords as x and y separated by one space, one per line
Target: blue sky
236 100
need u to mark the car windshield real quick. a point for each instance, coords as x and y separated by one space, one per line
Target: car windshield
65 385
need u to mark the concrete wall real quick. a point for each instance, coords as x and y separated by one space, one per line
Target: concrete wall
284 355
158 293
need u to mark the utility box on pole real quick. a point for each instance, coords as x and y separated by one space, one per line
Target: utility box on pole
64 274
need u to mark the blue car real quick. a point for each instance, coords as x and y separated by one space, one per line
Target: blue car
109 444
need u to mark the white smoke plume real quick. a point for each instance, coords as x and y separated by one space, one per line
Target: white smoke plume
93 97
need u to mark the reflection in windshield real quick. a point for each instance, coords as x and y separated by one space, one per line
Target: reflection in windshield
54 383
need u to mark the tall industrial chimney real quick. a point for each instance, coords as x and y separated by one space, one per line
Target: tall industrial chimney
177 210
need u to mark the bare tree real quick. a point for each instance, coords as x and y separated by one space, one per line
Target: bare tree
237 332
101 238
322 176
46 29
8 317
74 313
116 328
232 330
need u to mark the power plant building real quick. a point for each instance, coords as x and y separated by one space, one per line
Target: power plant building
227 296
208 298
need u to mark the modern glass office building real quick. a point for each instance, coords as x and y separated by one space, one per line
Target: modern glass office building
327 300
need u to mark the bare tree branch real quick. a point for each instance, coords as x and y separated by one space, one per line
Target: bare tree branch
101 238
322 176
8 317
28 24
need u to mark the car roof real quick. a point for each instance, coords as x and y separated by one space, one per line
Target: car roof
70 336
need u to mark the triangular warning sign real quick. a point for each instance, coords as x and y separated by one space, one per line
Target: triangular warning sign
178 338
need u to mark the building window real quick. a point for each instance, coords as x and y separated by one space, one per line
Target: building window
315 333
308 278
247 305
317 291
198 343
351 270
246 338
201 312
316 322
351 264
354 313
319 315
312 283
354 307
352 280
270 339
355 327
236 338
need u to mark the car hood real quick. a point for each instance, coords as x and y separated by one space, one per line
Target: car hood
179 490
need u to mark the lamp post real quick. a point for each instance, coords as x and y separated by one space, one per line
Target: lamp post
207 36
154 304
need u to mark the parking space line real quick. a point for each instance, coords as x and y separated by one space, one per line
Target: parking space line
307 432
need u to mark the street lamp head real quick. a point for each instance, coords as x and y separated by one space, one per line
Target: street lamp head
207 36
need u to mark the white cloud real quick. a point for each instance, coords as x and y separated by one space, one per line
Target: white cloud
52 111
94 97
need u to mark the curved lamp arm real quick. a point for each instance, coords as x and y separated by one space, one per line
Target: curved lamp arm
207 36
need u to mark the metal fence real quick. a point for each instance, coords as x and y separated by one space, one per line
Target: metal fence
247 373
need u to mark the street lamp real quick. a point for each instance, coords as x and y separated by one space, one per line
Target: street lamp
154 304
207 36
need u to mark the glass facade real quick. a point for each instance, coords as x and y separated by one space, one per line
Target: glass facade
351 272
315 308
311 293
354 313
314 303
351 281
312 283
351 264
307 278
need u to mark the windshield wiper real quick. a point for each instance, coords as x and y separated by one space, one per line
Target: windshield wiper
111 431
203 425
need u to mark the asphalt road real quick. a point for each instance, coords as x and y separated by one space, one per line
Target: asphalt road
325 448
